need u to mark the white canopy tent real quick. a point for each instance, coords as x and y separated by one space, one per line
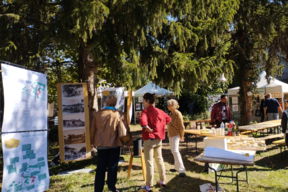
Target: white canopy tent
148 88
277 88
260 85
153 88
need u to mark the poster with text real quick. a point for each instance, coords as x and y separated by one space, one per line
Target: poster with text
117 92
234 108
25 162
73 118
25 98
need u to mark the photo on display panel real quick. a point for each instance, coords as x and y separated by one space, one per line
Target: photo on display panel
72 91
73 121
70 106
138 106
75 152
74 136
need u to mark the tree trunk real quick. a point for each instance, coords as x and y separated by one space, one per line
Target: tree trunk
88 74
245 100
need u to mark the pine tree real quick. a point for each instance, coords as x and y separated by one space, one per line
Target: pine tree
259 35
172 42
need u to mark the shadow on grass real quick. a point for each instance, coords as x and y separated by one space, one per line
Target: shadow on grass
124 168
71 166
188 160
272 188
276 161
184 184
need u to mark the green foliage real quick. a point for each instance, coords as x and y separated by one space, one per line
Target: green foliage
176 44
259 37
197 116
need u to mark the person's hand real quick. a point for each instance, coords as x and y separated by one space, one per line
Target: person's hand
182 139
148 129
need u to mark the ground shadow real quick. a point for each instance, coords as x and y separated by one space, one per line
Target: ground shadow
184 184
71 166
276 161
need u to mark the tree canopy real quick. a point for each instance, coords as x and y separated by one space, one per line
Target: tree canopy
259 37
174 43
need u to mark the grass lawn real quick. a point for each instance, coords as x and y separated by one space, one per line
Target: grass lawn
269 173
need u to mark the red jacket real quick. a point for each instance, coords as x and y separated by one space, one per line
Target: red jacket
156 119
216 113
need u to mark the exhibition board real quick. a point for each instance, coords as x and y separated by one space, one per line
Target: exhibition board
73 122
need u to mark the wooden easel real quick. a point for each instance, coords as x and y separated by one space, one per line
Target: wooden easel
129 103
142 164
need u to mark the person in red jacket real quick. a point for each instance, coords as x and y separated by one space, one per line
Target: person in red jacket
153 122
221 112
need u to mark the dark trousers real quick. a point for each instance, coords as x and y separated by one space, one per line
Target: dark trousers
107 158
262 117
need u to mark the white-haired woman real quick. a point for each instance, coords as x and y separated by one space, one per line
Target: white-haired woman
176 134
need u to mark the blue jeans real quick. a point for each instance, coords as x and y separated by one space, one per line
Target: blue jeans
273 116
107 158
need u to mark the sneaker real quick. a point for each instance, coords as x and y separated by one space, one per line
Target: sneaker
142 189
173 170
162 185
182 175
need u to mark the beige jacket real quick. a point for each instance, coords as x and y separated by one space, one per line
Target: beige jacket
176 126
104 128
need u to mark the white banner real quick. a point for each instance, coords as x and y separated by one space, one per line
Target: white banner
25 99
117 92
25 162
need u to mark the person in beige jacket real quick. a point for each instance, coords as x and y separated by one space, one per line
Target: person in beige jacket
104 136
176 134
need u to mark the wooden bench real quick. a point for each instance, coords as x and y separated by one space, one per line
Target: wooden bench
281 143
281 135
246 132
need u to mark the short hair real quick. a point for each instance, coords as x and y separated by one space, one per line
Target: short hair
150 97
173 102
222 96
268 95
111 101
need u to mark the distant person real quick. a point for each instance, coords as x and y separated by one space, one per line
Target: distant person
176 134
153 122
221 112
271 110
262 105
104 136
284 123
190 108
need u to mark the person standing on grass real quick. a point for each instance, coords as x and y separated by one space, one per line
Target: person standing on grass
104 135
262 106
284 123
153 122
221 112
271 110
176 134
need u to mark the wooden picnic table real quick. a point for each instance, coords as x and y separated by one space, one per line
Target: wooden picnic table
197 133
224 161
197 121
261 126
